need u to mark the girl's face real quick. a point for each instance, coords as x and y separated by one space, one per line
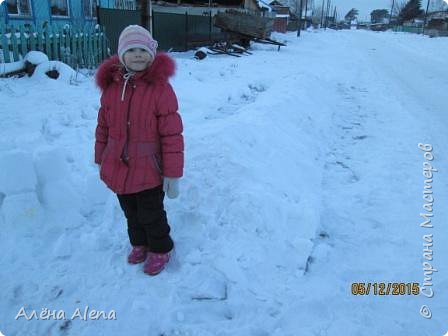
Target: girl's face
137 59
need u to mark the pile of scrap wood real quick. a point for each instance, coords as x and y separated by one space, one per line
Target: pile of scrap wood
244 23
228 48
243 27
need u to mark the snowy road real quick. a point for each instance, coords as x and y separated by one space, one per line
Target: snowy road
373 186
302 177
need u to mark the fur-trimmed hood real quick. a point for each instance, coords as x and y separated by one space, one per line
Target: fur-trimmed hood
111 70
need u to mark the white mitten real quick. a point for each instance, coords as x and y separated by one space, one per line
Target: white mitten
171 186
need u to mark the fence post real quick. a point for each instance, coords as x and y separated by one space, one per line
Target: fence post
84 47
85 41
105 41
80 46
32 38
90 46
23 41
15 48
4 44
73 45
64 40
48 41
95 47
100 45
40 44
55 40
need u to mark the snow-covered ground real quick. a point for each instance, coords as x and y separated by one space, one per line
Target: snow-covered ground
302 176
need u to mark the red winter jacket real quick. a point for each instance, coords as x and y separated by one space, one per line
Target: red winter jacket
138 139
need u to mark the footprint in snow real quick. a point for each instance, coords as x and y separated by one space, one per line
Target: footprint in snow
234 104
359 137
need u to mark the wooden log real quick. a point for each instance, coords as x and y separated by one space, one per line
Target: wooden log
222 50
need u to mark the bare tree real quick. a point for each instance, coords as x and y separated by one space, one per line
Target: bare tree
317 14
397 6
351 15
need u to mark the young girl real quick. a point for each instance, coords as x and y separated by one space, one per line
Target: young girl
139 143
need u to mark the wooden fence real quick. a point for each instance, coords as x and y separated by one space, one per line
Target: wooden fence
84 48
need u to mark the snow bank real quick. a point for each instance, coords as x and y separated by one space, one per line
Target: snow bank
6 68
36 57
66 73
299 179
17 174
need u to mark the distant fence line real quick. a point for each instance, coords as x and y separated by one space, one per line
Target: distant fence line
431 32
408 29
85 47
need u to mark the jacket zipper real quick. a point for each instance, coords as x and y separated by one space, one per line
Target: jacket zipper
128 128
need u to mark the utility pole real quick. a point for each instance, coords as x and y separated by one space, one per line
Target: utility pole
334 16
306 12
210 21
326 13
322 13
391 11
300 19
426 15
146 14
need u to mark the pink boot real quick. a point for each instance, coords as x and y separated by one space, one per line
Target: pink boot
137 255
156 262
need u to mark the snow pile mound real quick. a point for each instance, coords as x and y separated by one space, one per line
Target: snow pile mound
6 68
62 71
36 57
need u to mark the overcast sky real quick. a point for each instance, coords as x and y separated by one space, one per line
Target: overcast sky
364 6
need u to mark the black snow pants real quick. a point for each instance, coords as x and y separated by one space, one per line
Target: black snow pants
147 221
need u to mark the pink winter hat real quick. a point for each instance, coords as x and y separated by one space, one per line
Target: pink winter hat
134 36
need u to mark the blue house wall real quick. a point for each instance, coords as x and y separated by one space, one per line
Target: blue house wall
41 13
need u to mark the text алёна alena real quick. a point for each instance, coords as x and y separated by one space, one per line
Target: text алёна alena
82 314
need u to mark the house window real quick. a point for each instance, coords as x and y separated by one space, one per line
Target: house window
19 7
89 7
59 7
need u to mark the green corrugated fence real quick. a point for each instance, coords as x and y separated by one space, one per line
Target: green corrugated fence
86 47
408 29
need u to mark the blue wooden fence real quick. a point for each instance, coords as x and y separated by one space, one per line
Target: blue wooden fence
84 48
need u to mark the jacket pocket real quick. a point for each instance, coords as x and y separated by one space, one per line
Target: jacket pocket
103 154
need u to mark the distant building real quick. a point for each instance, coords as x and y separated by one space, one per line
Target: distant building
438 20
437 5
281 16
38 12
80 12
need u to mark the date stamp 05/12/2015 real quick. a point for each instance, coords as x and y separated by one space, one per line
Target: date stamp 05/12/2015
385 288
